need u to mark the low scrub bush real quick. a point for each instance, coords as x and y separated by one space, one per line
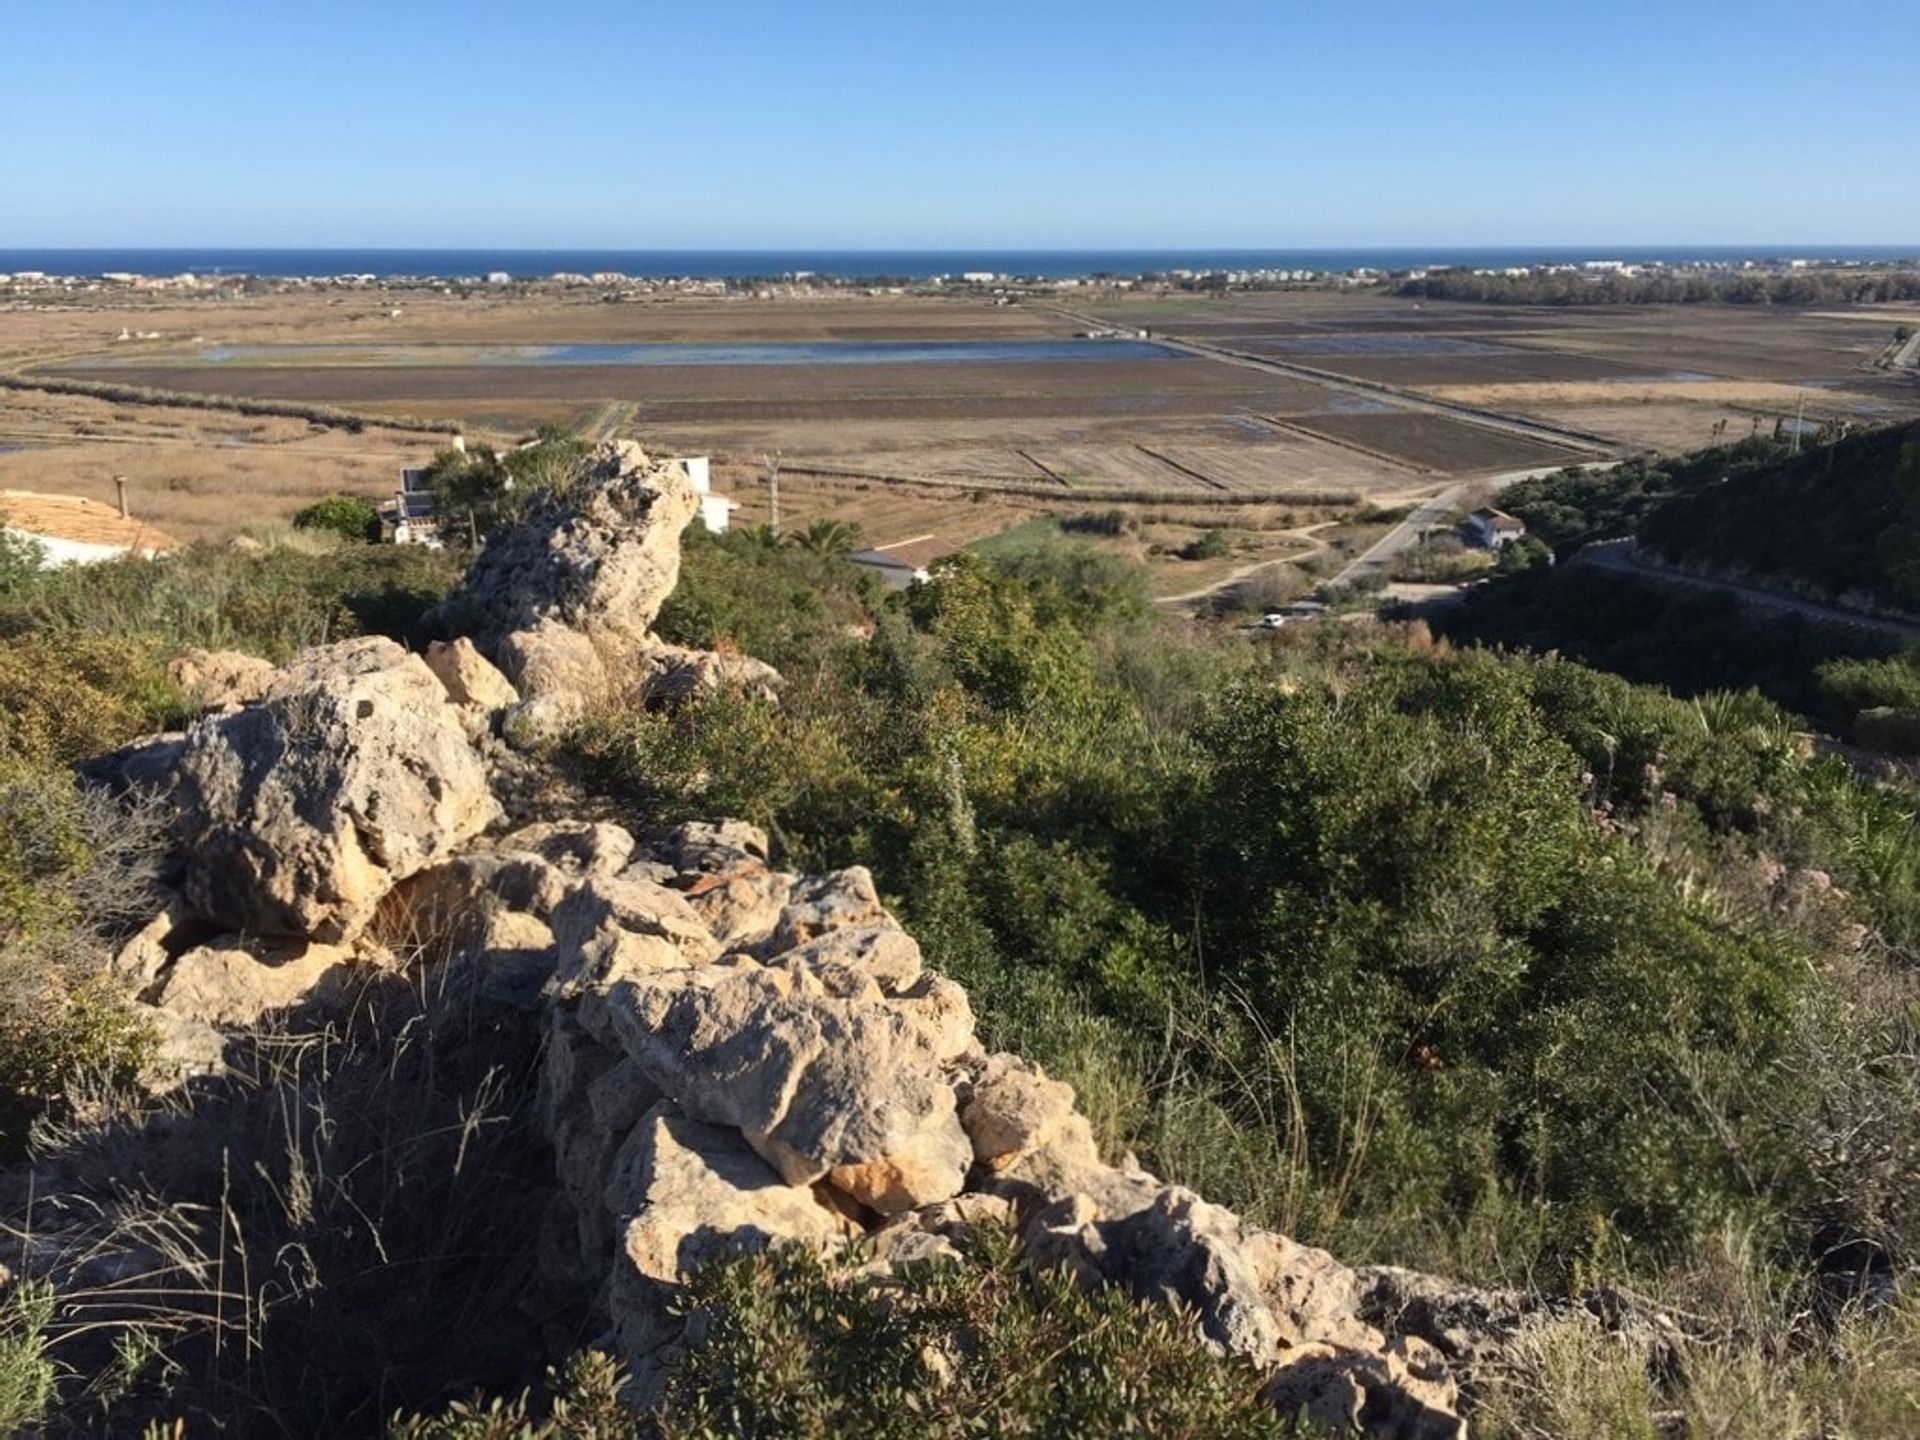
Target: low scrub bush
797 1347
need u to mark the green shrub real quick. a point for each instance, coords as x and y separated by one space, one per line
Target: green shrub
348 516
64 698
797 1346
27 1373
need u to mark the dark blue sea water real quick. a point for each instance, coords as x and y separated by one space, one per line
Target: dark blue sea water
902 264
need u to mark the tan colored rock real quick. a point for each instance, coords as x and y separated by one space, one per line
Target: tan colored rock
821 904
469 677
445 908
234 982
215 679
821 1086
1384 1393
609 928
1011 1109
578 847
563 602
672 675
690 1193
299 814
144 957
185 1049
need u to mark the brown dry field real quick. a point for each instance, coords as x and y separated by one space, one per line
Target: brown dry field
1449 447
194 473
1180 426
33 331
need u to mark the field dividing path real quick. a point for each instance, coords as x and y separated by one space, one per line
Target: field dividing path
1579 441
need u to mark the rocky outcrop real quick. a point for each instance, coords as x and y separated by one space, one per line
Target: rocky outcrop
302 812
564 603
734 1055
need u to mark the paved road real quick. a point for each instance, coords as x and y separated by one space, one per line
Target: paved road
1621 557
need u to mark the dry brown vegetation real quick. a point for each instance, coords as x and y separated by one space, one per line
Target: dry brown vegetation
1168 431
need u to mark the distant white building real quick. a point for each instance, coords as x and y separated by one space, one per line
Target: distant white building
412 517
716 511
904 563
1493 529
499 277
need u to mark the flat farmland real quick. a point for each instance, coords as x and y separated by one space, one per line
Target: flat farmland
953 443
1440 444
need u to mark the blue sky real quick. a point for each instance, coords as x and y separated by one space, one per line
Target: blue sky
853 124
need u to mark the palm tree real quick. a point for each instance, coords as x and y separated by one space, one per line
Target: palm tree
827 537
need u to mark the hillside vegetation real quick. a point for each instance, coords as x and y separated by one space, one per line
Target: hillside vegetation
1491 964
1834 521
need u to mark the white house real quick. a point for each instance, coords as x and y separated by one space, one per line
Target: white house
71 530
1493 529
716 511
904 563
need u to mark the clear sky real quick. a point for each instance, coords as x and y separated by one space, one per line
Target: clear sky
857 124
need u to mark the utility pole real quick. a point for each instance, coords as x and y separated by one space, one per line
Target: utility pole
773 492
1799 417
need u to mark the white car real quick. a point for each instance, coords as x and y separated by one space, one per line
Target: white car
1272 620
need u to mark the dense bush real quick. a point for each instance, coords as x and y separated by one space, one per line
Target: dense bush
348 516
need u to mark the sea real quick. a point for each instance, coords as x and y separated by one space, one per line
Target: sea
883 264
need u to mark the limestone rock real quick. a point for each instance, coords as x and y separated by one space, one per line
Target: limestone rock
1394 1393
563 601
611 927
233 982
579 847
185 1049
672 675
469 677
147 766
692 1192
215 679
823 903
299 814
1011 1109
824 1087
146 954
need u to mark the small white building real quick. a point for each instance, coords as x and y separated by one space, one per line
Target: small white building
904 563
716 511
1493 529
412 517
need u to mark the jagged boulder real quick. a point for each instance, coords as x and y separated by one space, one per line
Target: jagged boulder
215 679
564 601
233 981
694 1192
297 815
835 1087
